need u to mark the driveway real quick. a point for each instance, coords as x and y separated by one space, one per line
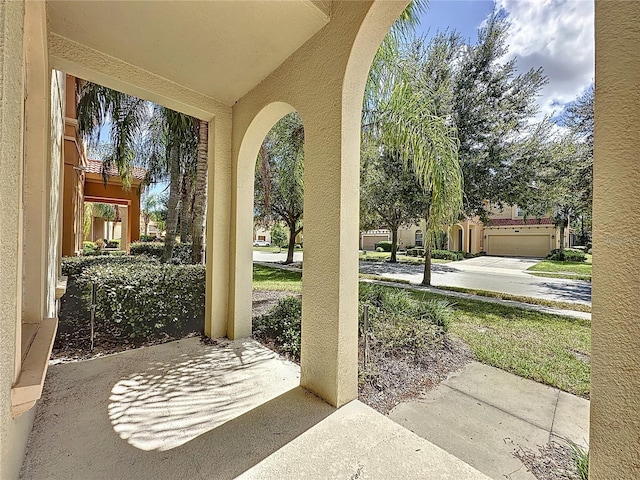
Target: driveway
498 274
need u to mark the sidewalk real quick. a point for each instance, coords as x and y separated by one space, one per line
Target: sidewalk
482 415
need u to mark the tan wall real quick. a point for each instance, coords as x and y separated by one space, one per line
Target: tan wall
11 128
615 327
29 202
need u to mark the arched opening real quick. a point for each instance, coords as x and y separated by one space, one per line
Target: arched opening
242 256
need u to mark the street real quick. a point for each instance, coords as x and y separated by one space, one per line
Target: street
498 274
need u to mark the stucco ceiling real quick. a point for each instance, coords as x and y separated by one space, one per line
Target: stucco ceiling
219 48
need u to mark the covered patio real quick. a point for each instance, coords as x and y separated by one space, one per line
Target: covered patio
195 411
241 66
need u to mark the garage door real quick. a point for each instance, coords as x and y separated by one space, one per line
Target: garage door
369 241
518 246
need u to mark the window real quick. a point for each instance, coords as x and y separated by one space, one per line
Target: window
519 212
419 239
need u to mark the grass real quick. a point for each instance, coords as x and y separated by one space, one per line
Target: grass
384 256
266 278
549 349
578 307
557 269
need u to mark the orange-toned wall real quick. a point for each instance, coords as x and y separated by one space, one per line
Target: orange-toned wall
113 193
72 203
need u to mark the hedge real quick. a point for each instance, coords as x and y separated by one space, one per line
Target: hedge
384 245
146 299
181 251
567 255
73 267
439 254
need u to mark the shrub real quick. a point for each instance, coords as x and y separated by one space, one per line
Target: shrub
568 255
146 299
447 255
384 245
379 249
416 252
113 244
181 251
282 324
99 244
398 323
89 248
147 238
73 267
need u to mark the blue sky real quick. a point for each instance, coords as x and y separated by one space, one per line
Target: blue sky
556 35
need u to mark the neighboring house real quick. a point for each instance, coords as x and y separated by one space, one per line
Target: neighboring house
83 182
128 202
507 233
264 234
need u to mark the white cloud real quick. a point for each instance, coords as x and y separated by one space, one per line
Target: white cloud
557 35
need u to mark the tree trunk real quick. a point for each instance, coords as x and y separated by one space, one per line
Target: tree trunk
426 241
146 226
172 205
200 194
185 205
426 280
292 244
394 245
562 237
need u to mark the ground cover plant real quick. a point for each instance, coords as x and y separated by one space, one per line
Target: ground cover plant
409 350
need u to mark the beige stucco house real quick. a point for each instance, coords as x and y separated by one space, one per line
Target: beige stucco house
241 66
507 233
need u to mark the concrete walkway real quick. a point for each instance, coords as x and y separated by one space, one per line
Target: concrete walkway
483 415
185 410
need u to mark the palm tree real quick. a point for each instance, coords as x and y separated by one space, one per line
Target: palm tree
403 115
171 144
128 116
200 193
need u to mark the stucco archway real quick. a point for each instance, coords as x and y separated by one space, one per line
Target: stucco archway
241 257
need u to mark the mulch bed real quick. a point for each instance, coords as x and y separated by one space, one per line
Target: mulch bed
553 461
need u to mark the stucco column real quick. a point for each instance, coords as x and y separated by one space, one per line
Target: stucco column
615 358
217 322
330 282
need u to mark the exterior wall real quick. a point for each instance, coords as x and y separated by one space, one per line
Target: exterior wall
74 159
12 433
29 205
615 325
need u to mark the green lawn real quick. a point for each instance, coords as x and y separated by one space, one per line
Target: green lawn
547 348
563 269
383 256
265 278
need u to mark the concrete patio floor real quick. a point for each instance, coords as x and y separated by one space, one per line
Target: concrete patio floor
185 410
